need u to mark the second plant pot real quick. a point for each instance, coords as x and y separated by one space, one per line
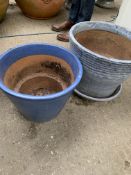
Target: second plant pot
102 74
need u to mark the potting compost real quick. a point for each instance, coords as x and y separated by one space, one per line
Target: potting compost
106 43
39 75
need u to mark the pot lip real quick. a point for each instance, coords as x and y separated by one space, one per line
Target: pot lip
72 38
47 97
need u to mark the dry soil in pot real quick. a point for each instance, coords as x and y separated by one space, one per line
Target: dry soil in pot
39 75
105 43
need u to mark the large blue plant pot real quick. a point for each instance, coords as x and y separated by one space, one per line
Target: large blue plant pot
39 108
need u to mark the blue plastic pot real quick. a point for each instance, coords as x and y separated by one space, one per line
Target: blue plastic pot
39 108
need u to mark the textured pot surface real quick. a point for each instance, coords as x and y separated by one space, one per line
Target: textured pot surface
40 9
102 75
3 8
34 107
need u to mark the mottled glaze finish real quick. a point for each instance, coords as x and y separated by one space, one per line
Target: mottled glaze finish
40 9
3 8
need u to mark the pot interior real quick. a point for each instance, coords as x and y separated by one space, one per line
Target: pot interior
108 44
39 75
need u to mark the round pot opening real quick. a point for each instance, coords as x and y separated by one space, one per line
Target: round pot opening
105 43
39 75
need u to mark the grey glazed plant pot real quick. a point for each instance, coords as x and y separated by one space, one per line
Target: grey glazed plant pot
102 76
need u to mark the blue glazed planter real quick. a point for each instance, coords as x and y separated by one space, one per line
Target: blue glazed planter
39 108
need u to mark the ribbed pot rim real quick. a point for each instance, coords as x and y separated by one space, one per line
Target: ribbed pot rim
104 69
111 60
106 75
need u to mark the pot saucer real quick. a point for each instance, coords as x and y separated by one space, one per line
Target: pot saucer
112 97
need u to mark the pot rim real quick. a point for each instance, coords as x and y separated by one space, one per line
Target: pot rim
72 38
47 97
